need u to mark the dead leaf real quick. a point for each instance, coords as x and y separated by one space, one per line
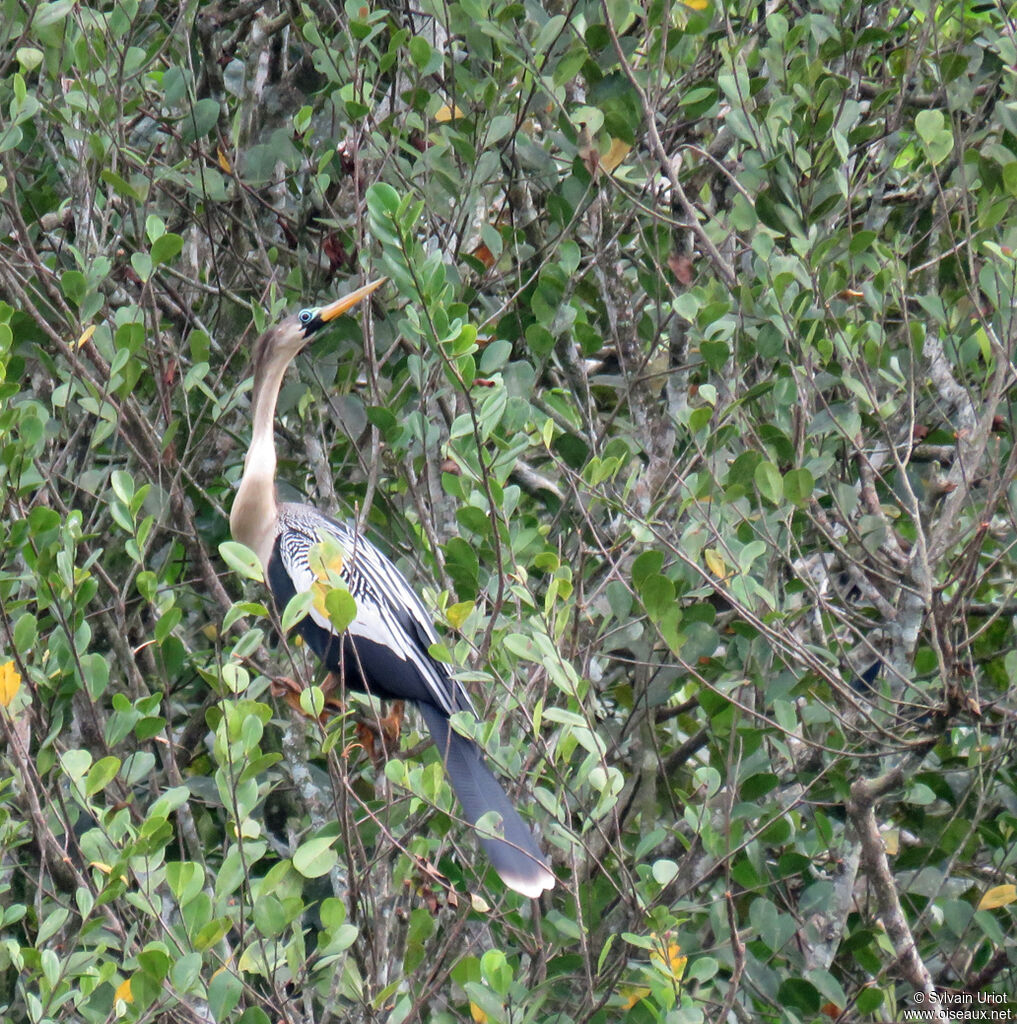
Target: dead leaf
10 683
891 841
483 255
681 267
86 336
616 153
670 961
998 896
447 113
715 563
632 995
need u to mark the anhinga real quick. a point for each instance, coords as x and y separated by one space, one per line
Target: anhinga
385 649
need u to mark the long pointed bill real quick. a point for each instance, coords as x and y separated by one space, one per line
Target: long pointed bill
347 302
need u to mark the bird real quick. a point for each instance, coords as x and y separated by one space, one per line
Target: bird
385 650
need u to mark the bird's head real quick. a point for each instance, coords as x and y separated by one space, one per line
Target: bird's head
290 336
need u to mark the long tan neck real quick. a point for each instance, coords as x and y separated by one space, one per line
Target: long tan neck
255 509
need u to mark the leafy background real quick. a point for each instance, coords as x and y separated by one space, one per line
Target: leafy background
688 408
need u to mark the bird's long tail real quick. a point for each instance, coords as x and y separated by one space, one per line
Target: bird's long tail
516 857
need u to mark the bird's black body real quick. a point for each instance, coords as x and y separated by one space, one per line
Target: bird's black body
385 652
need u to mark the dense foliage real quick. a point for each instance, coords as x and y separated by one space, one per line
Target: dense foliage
687 407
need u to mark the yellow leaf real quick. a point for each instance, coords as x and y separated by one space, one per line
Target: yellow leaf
326 561
998 896
104 868
320 592
632 994
891 841
10 683
696 5
224 160
124 991
671 962
615 155
447 113
477 1013
715 563
85 335
459 613
547 432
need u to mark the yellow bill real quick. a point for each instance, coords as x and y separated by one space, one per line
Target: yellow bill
347 302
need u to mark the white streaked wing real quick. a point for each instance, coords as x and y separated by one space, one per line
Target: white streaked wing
379 588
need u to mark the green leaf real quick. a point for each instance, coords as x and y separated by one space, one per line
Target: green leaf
648 564
664 871
798 486
382 199
212 933
296 609
494 967
768 480
312 701
799 994
75 763
166 247
929 123
121 186
101 774
29 57
316 857
47 14
702 969
341 607
141 262
420 52
241 560
224 992
50 925
186 879
25 632
935 133
74 286
199 120
658 595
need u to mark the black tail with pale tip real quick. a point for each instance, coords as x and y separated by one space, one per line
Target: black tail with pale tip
516 857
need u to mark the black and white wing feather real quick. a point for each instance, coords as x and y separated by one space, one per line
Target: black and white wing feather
390 619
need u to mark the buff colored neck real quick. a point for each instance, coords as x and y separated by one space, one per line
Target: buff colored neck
255 509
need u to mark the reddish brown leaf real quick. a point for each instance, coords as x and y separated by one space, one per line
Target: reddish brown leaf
681 267
484 255
335 250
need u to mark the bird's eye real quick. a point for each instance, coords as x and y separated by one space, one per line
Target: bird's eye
306 316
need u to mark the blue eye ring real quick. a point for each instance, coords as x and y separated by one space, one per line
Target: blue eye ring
306 316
